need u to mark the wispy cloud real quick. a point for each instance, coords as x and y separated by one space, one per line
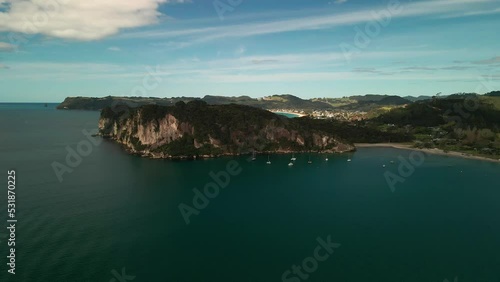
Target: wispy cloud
368 70
269 67
491 61
114 49
419 68
6 47
471 14
316 22
339 1
457 68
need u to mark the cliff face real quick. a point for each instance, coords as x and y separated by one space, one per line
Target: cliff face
199 130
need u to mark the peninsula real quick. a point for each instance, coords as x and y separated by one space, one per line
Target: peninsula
198 130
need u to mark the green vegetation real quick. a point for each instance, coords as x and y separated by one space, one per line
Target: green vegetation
493 100
466 123
242 129
355 103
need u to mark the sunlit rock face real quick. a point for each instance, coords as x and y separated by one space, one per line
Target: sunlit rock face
196 130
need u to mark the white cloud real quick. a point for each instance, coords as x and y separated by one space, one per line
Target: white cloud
471 14
6 47
114 49
76 19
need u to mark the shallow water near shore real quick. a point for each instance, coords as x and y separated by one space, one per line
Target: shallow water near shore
116 211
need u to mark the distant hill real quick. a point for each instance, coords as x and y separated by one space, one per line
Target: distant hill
369 97
493 94
97 104
441 111
419 98
372 103
292 102
465 123
270 102
393 100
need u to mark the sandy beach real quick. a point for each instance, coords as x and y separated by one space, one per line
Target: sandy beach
429 151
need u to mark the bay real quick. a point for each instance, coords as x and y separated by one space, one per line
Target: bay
117 212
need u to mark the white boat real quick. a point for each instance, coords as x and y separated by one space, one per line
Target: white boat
290 164
268 160
293 158
326 159
309 161
348 160
253 156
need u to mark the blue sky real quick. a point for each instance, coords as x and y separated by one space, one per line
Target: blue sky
57 48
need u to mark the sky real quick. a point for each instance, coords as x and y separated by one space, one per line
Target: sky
52 49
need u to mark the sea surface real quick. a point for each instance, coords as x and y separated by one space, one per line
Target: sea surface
115 217
289 115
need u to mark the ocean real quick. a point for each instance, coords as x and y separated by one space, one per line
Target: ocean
88 211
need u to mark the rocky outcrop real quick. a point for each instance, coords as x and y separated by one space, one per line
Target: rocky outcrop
199 130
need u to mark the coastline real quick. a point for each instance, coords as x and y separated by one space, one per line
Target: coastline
290 113
434 151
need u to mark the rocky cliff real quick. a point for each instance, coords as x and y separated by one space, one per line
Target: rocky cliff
197 129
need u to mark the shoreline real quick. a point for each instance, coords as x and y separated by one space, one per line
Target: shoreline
428 151
290 113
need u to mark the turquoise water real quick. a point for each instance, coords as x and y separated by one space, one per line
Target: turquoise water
289 115
119 211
